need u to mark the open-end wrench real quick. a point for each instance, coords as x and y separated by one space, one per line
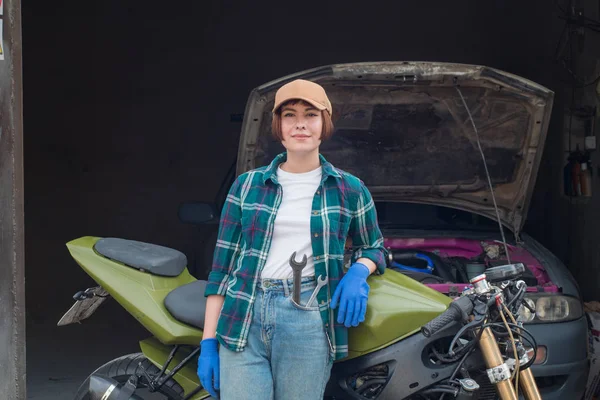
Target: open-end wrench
320 283
297 267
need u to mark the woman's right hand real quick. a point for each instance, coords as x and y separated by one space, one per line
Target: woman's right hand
208 366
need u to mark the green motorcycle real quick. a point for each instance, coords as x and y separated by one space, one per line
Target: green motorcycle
415 343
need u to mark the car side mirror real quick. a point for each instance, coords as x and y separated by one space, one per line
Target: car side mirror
196 213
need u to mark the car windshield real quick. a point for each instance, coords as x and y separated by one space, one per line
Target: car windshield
398 215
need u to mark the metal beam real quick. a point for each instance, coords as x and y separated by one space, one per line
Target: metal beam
12 270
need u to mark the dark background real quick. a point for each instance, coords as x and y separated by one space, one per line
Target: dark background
128 105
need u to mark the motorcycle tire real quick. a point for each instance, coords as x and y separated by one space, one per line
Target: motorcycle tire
120 369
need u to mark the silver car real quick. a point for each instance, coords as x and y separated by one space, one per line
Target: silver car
403 128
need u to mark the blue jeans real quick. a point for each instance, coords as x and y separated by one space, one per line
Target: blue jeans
288 354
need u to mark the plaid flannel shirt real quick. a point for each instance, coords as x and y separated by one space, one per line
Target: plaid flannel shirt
342 207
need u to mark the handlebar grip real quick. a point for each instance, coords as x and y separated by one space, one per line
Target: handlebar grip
440 322
458 311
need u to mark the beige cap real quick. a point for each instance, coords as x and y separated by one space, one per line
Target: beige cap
303 90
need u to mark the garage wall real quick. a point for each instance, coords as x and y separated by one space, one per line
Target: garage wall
576 228
12 279
127 108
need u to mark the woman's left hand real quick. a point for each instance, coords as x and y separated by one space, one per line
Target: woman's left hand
352 293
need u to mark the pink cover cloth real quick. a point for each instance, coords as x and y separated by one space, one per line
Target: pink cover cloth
458 247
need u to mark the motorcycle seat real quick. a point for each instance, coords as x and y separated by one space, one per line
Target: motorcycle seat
151 258
187 303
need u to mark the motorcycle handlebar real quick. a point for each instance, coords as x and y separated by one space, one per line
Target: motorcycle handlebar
459 310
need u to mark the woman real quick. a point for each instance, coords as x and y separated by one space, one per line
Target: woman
270 345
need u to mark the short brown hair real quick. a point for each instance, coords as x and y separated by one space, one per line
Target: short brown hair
276 123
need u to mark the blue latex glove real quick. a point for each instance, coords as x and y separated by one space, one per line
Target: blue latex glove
208 366
352 293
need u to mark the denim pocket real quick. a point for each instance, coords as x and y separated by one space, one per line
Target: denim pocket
304 298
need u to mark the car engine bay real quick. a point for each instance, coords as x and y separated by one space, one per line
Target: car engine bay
448 264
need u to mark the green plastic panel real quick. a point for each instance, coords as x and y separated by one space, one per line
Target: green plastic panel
398 306
140 293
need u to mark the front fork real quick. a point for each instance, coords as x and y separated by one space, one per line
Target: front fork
528 385
499 372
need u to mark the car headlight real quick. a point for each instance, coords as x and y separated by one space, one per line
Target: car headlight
525 314
550 308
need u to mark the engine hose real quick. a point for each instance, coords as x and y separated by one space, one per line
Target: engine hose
520 293
370 384
471 325
522 330
442 357
523 334
453 392
446 358
439 265
462 361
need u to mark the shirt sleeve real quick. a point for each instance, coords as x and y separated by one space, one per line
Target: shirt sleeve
367 240
228 242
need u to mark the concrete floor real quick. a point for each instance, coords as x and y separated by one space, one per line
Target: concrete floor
60 358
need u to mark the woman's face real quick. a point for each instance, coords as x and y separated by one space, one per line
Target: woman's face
301 127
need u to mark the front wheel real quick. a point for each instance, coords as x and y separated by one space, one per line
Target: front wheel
120 369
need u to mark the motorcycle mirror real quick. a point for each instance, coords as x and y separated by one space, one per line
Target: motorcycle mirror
196 213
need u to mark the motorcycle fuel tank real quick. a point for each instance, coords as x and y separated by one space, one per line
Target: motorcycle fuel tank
398 306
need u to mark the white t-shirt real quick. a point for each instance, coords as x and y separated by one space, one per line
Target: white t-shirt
291 232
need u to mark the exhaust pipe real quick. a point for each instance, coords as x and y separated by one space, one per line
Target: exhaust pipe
105 388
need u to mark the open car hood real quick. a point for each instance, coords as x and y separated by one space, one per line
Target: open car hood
402 128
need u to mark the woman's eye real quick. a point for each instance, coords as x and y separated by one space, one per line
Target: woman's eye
288 115
312 115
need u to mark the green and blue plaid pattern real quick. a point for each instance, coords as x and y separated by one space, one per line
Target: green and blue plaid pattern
342 207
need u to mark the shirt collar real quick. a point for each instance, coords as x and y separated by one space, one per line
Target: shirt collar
271 171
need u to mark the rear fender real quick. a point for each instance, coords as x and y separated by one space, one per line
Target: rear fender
140 293
187 377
